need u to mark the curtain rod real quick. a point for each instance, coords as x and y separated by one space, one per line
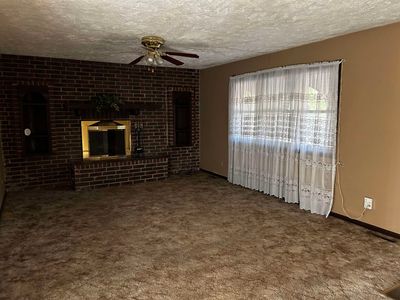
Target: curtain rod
339 61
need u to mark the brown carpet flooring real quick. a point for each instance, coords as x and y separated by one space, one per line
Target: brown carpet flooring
189 237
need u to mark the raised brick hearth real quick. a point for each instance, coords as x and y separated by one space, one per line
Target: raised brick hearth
94 174
71 81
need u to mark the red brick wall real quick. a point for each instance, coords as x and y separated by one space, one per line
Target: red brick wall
96 174
71 80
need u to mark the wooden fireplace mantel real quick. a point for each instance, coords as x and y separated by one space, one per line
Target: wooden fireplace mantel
86 109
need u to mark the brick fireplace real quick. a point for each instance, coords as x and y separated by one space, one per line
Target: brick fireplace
67 86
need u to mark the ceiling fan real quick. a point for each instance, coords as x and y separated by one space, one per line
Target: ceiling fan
155 57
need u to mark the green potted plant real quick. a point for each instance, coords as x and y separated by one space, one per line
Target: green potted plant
106 102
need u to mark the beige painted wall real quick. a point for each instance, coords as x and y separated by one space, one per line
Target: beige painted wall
370 116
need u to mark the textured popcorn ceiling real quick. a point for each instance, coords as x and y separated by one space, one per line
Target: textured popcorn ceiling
220 31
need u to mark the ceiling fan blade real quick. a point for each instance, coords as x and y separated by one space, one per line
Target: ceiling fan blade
172 60
182 54
136 60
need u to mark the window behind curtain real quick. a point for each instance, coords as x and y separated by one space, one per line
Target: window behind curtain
287 106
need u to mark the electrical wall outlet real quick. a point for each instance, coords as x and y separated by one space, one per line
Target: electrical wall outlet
368 203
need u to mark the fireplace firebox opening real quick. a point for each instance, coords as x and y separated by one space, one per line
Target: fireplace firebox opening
106 139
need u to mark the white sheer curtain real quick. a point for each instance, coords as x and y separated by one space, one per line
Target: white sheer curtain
282 133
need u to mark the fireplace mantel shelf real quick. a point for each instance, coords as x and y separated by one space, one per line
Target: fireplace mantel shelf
85 108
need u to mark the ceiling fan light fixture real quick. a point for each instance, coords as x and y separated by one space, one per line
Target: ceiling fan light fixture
155 57
150 58
158 59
